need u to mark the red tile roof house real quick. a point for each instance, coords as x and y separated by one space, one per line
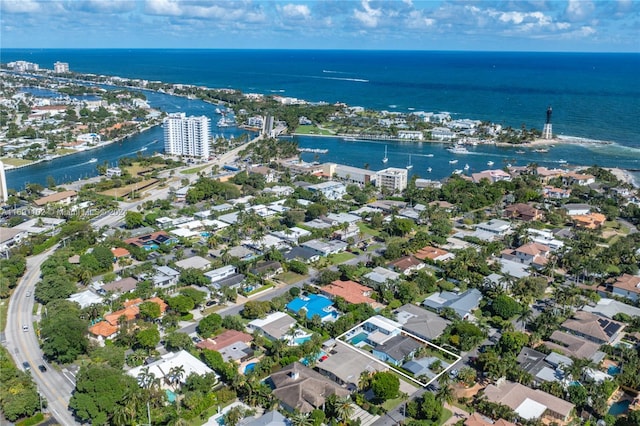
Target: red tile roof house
108 328
407 265
434 254
350 291
523 212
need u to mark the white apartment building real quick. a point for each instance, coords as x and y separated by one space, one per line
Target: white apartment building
188 136
392 178
61 67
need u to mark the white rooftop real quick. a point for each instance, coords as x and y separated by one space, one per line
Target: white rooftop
530 409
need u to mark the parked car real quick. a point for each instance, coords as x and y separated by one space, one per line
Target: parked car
42 368
26 366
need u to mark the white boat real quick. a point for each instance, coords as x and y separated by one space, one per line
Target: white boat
519 151
466 167
349 139
144 148
458 150
457 172
409 166
429 169
562 161
385 159
428 155
93 160
490 163
453 161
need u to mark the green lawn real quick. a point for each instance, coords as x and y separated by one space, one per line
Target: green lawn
365 229
444 416
16 161
390 404
290 277
341 257
193 171
4 307
313 130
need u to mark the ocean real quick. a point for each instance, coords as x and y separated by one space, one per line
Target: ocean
594 96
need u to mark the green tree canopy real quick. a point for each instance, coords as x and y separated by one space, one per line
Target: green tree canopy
505 307
385 385
209 325
63 332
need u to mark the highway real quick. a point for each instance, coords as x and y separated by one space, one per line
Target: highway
54 385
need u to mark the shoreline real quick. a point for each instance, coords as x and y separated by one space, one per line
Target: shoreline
90 148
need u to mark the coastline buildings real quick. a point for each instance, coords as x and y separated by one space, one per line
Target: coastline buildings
61 67
188 136
392 178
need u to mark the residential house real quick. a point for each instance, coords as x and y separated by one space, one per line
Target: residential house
85 298
274 326
434 254
233 345
589 221
462 304
529 403
533 254
420 322
162 368
610 308
267 269
396 349
523 212
325 248
151 241
574 346
119 286
491 230
407 265
292 235
345 365
331 190
193 262
577 209
534 363
554 193
421 367
492 176
270 418
10 237
165 277
477 419
351 292
303 254
627 286
575 178
270 175
546 174
380 276
300 389
120 253
593 327
221 273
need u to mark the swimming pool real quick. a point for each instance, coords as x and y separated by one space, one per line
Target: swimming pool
301 340
359 338
249 367
171 396
619 407
613 370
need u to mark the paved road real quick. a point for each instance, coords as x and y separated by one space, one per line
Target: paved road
54 385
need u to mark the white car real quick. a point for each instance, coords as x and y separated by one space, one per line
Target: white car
25 327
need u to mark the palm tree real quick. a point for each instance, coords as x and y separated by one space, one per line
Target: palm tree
344 409
445 393
175 376
526 314
300 419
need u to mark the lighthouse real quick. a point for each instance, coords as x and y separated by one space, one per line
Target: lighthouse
547 132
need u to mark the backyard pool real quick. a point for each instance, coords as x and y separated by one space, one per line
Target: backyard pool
301 340
171 397
613 370
361 337
619 407
249 367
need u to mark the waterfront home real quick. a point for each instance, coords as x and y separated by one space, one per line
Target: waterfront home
529 403
627 286
396 349
492 176
462 304
64 197
274 326
420 322
546 174
393 179
554 193
345 365
348 174
300 389
575 178
162 368
442 134
593 327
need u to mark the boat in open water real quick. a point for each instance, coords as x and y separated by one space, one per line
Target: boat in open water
457 149
453 161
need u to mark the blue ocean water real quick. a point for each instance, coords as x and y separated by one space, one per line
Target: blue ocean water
594 96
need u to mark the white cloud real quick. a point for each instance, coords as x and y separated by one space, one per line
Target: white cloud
369 17
416 20
19 6
579 10
295 11
163 7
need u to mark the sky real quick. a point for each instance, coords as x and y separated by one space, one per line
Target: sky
537 25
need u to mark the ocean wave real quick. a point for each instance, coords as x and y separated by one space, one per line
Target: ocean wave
334 72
